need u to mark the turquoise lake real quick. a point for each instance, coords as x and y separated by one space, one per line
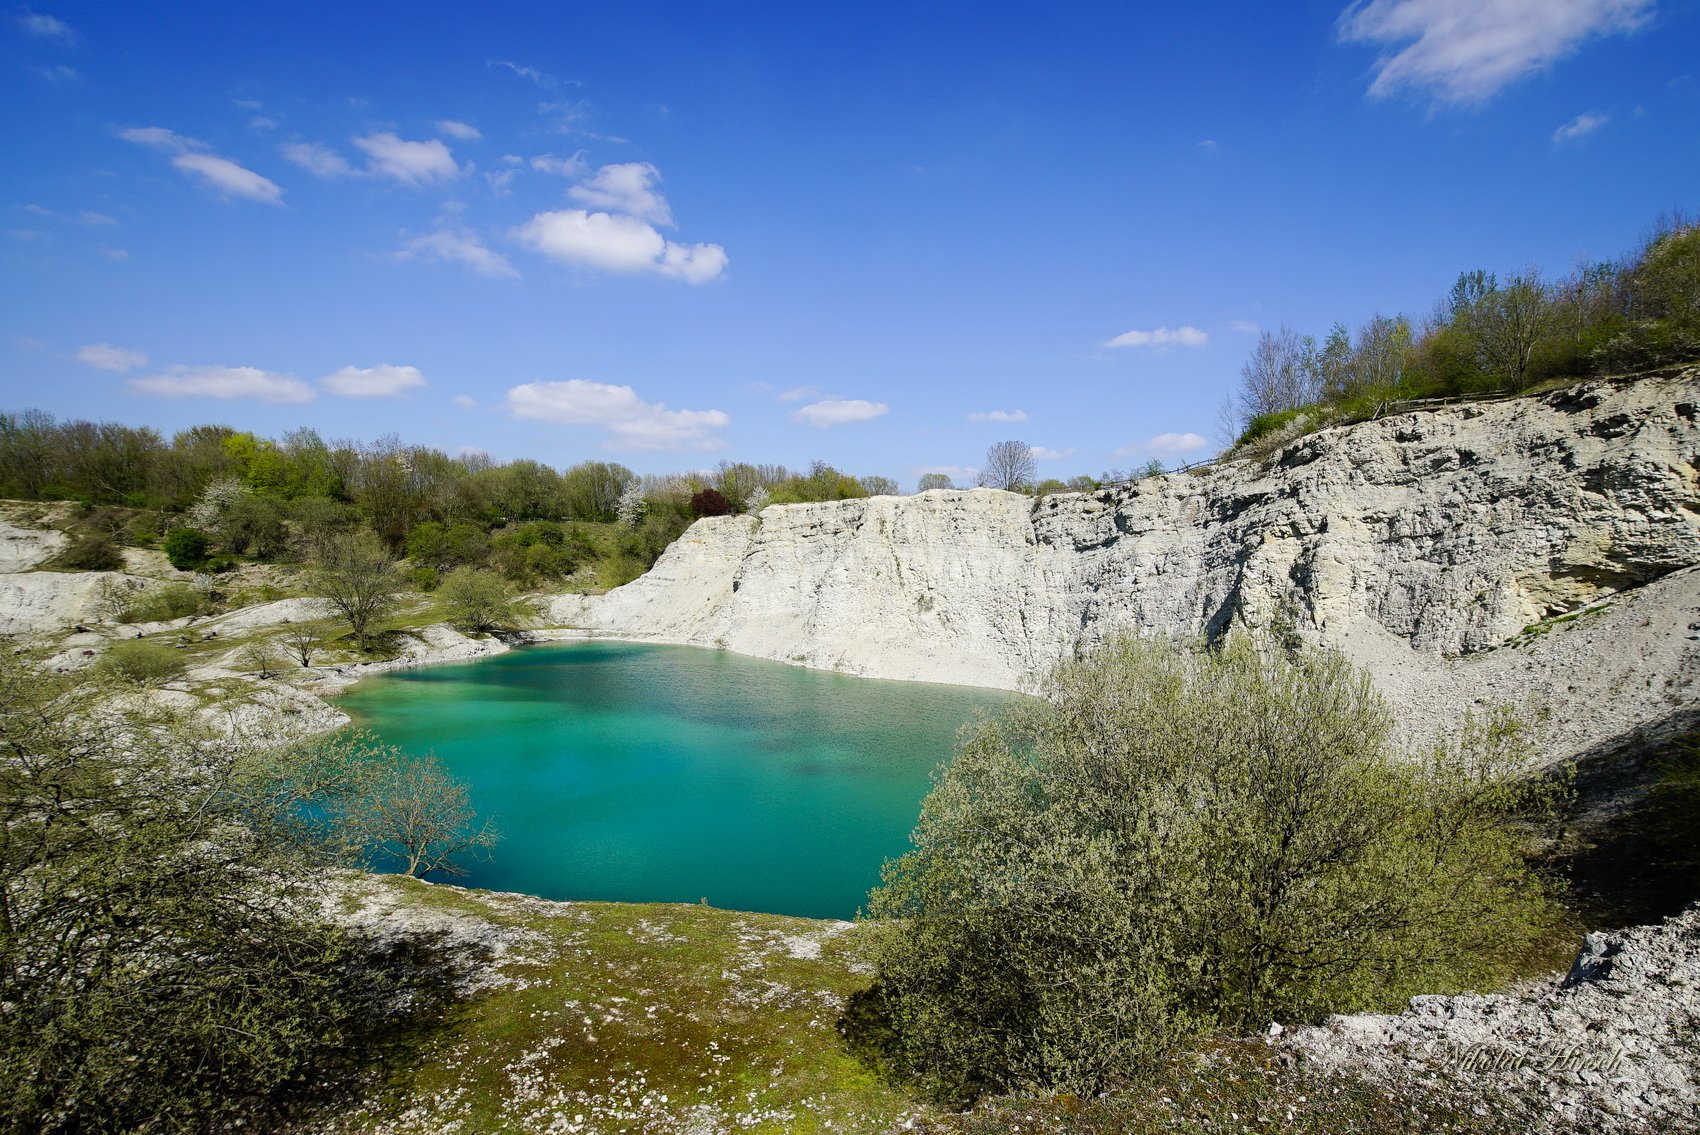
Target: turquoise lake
642 773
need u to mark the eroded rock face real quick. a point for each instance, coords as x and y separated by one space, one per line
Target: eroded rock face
39 602
1420 544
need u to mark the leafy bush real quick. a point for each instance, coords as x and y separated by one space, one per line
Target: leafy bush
1265 424
477 600
162 603
621 569
1172 842
186 548
166 965
142 661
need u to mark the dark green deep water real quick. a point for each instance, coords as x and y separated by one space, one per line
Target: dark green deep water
644 773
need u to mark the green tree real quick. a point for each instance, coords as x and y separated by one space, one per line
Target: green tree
357 574
473 599
1171 842
380 806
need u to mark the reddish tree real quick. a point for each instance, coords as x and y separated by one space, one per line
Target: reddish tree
710 502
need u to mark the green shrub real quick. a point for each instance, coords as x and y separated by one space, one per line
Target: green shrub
477 600
162 603
1174 842
186 548
141 661
1265 424
167 965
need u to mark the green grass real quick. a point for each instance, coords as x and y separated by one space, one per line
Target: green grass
660 1018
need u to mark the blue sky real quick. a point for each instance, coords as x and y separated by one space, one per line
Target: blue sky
881 235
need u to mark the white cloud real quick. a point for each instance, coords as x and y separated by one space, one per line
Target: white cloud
118 254
27 343
499 180
619 244
449 128
541 78
223 382
460 246
626 188
46 27
60 73
320 161
412 163
1243 327
1579 127
839 411
630 422
1166 445
1466 51
465 402
1161 337
1041 453
381 381
161 139
574 166
998 416
230 179
89 218
798 393
261 123
1208 145
104 356
220 174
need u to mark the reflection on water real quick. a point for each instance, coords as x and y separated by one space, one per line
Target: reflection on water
662 773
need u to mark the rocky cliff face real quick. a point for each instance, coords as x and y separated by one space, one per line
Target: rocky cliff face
1422 544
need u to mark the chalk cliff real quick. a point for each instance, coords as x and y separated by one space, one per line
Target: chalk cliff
1424 545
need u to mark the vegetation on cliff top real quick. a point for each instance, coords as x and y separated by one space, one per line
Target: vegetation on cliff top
1486 336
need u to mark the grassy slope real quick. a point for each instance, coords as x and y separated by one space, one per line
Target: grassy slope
641 1018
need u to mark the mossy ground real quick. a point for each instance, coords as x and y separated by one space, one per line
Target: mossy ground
637 1018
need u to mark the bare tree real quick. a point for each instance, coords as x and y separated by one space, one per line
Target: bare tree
1510 321
259 656
933 481
302 640
1278 376
878 486
357 574
1009 466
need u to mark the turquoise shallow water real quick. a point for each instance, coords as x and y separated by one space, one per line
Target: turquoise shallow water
644 773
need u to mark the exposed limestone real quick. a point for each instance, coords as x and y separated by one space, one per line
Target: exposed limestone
1614 1046
40 602
1422 544
24 548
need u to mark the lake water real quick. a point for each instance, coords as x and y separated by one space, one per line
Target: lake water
641 773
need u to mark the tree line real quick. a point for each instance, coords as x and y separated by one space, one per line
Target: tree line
211 495
1486 335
